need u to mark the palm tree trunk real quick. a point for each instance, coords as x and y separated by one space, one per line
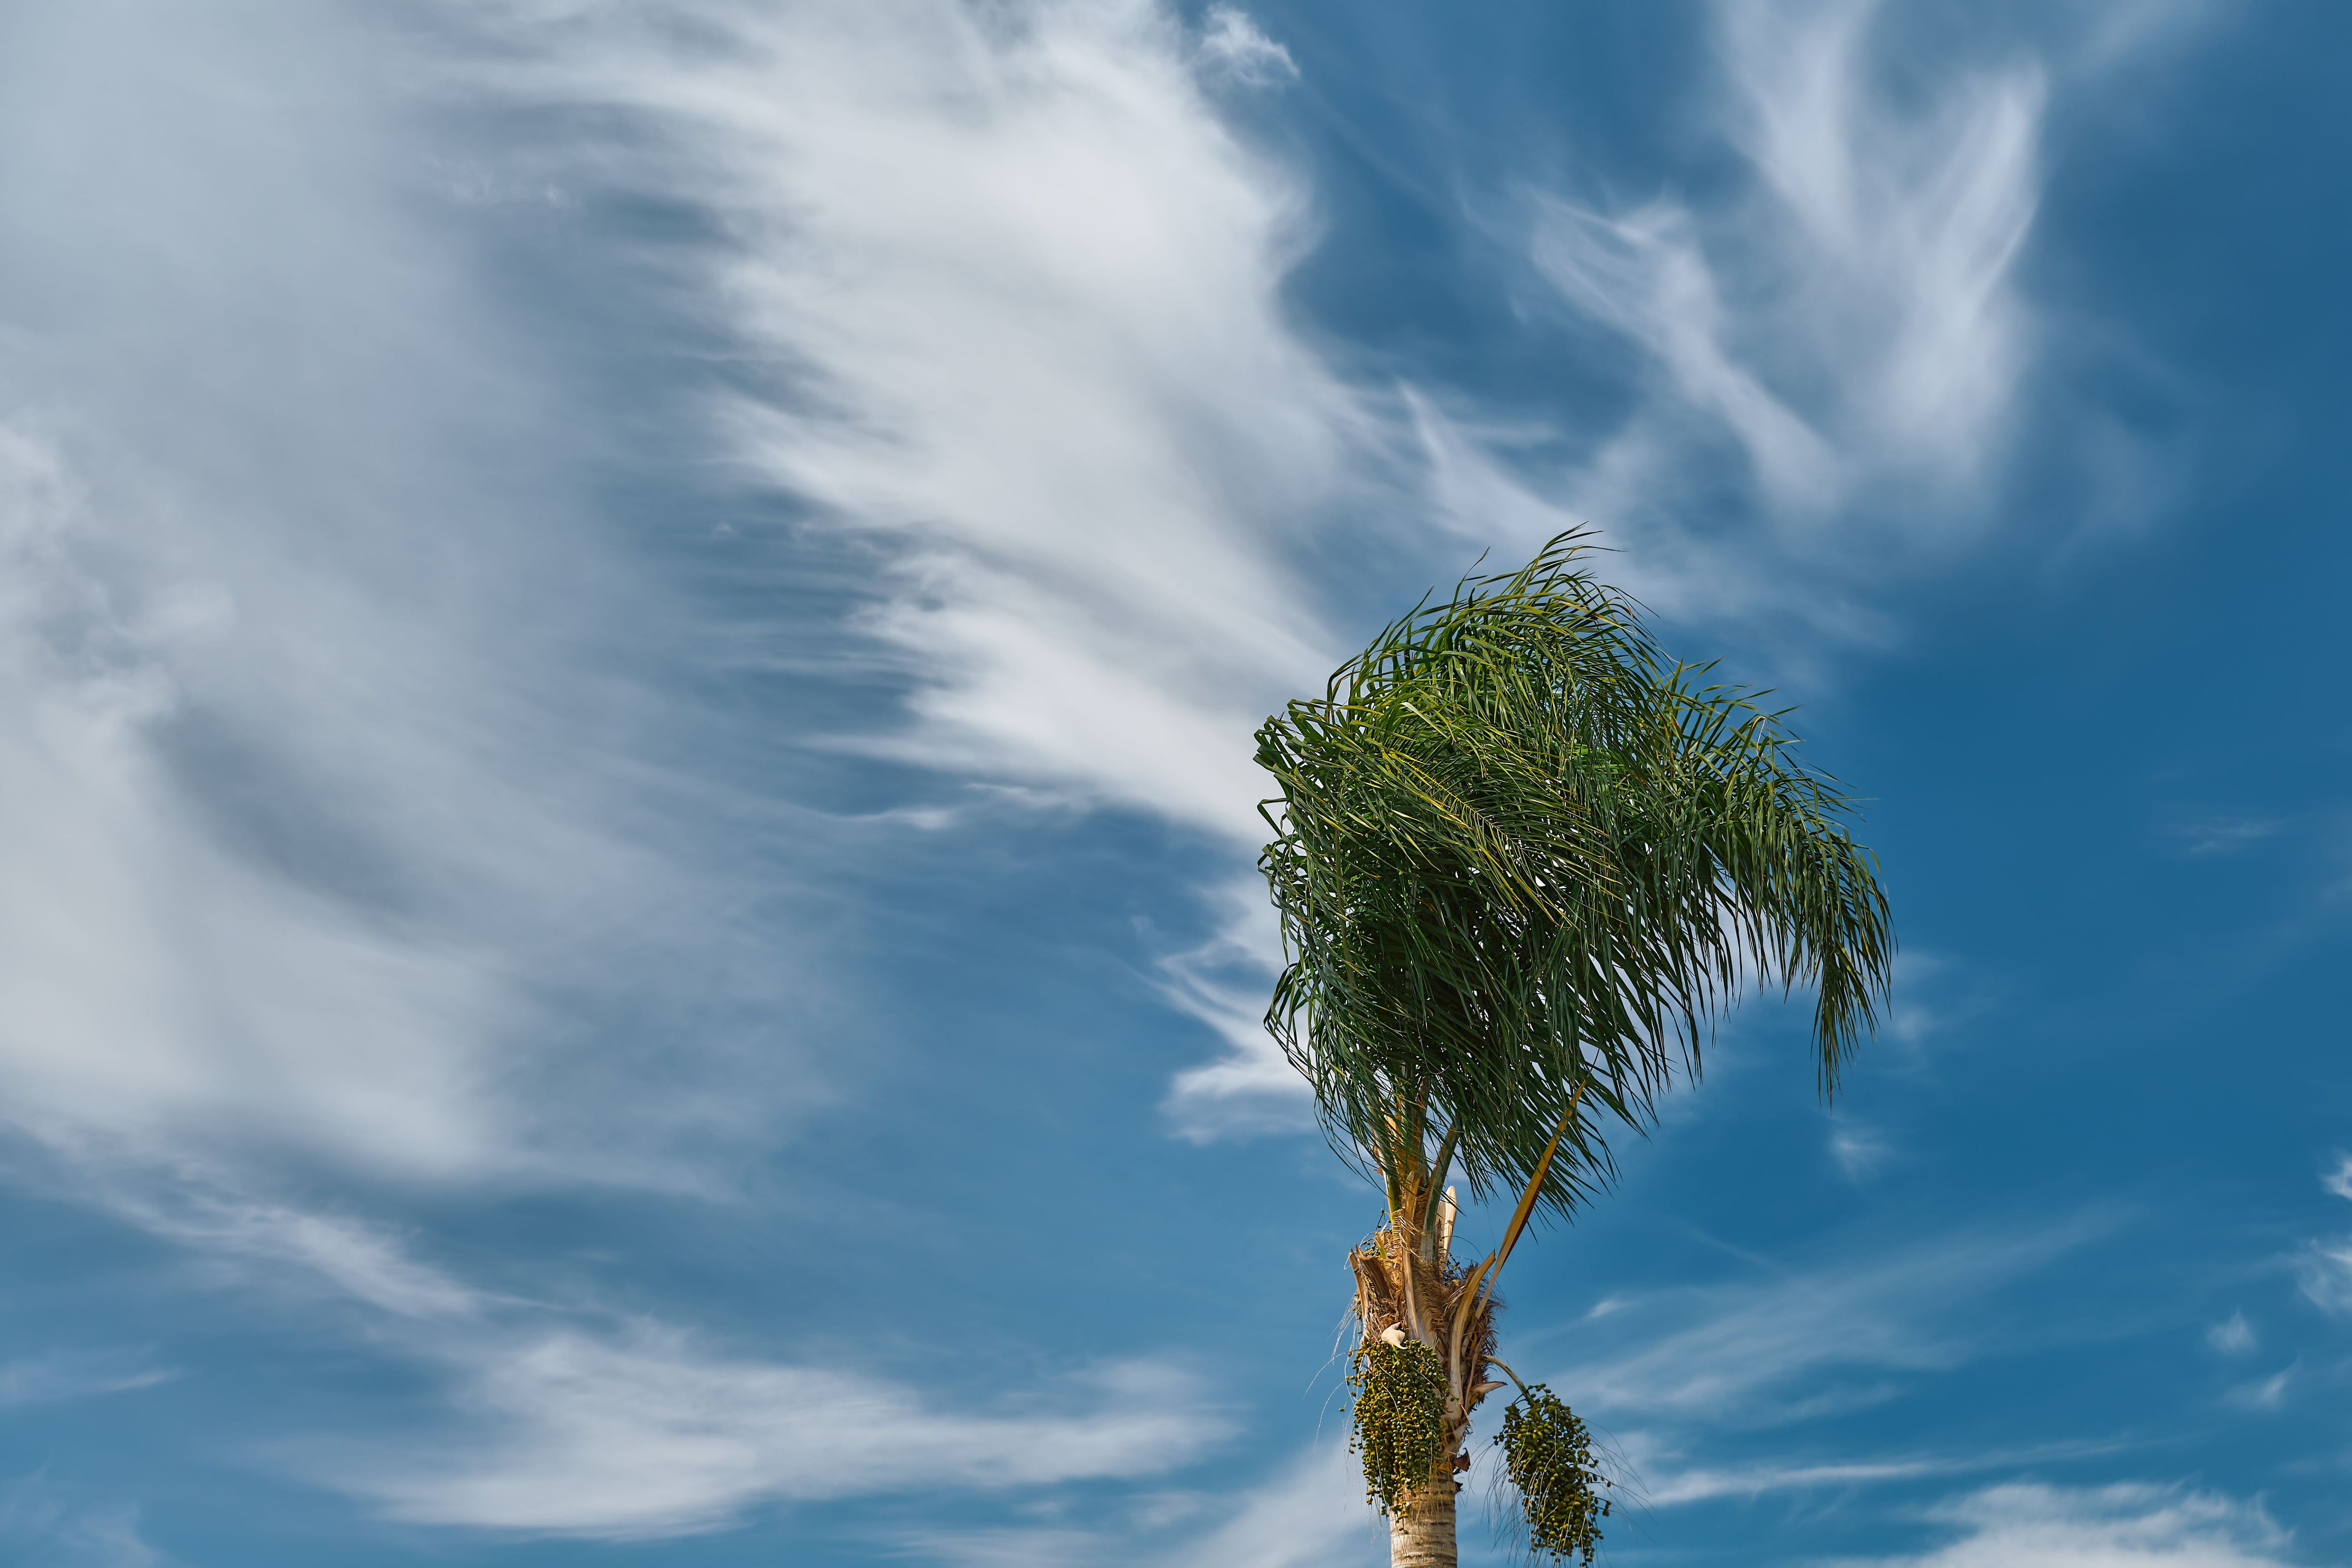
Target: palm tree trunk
1421 1534
1398 1292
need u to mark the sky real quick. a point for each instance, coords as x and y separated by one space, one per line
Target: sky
629 630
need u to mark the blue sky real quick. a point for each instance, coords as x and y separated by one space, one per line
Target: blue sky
627 653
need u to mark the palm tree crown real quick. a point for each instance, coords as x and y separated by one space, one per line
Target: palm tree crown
1521 861
1518 854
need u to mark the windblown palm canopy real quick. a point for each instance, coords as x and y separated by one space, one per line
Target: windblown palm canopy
1521 861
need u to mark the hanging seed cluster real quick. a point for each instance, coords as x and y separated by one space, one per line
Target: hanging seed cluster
1400 1418
1548 1455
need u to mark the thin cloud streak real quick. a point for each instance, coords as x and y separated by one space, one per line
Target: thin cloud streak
1312 1513
2029 1525
60 1375
2339 1180
1224 982
1750 1342
645 1436
2232 1336
288 1252
1705 1484
2325 1270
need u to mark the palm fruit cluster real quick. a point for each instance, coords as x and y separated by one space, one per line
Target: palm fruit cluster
1547 1453
1400 1418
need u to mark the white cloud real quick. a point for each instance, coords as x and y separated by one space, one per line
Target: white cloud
2325 1270
2339 1180
977 1547
568 1432
1013 289
1018 288
2227 835
1311 1515
2132 1526
1859 1151
1235 43
1479 496
1872 267
331 831
1732 1352
1849 331
2233 1336
1674 1484
2124 32
290 1251
1932 992
1224 983
162 983
62 1375
1646 275
2265 1393
331 826
1699 1485
2326 1267
1904 224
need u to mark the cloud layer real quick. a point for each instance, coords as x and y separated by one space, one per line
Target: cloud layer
333 821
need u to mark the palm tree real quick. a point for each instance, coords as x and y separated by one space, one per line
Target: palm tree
1521 861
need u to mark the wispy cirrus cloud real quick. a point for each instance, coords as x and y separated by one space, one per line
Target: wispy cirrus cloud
2339 1180
1742 1351
1827 359
1675 1485
286 1251
1853 320
2226 835
1224 982
2324 1269
1310 1513
2232 1336
564 1417
1860 1151
1015 1547
2137 1525
2266 1393
62 1375
1235 45
1008 289
643 1434
2323 1265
